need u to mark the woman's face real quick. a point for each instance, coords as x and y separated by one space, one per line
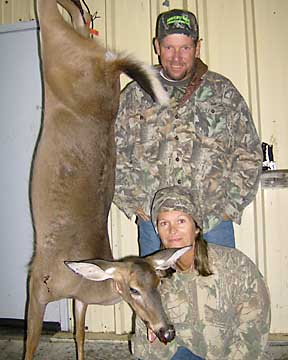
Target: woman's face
176 229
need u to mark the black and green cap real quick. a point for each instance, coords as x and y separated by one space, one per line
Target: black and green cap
177 21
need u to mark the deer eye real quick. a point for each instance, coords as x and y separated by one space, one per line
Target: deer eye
134 291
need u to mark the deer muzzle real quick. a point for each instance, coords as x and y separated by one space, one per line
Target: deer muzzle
166 334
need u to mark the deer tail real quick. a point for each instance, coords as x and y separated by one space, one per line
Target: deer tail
145 75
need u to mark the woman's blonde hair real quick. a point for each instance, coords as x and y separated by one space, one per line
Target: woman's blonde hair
201 257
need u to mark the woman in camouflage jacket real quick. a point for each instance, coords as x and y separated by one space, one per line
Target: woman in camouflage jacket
217 299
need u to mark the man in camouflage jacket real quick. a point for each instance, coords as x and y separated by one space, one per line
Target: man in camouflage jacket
225 315
205 140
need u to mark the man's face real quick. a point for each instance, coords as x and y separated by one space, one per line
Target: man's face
177 54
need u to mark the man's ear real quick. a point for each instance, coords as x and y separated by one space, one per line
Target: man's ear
198 47
156 45
165 259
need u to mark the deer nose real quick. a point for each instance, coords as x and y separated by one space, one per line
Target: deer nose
167 334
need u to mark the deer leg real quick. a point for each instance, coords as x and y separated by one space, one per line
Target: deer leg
79 318
35 315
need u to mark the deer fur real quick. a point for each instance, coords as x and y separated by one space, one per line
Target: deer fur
72 175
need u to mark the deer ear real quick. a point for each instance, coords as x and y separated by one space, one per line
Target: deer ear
92 270
165 259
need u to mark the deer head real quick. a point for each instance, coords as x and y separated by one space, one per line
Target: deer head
137 281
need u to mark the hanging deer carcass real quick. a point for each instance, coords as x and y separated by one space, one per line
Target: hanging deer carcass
72 182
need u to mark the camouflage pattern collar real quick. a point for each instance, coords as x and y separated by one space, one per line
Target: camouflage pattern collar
176 83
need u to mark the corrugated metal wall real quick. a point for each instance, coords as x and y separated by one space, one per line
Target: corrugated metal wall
244 40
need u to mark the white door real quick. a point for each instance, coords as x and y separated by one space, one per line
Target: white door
20 109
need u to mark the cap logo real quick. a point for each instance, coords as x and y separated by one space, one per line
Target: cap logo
179 19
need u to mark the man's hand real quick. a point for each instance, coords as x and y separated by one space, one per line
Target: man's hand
142 215
226 217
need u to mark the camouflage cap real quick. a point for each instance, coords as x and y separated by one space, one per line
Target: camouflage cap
177 21
176 198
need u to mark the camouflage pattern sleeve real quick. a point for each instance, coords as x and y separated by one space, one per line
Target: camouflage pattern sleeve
251 335
246 164
130 101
